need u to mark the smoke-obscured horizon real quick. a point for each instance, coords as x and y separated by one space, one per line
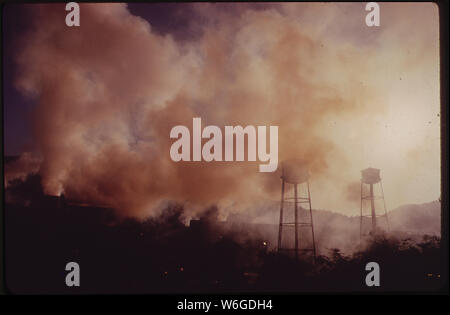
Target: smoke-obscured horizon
344 97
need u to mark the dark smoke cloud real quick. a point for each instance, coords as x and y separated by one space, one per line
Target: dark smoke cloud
21 167
109 92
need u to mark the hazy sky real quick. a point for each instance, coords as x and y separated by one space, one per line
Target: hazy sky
97 102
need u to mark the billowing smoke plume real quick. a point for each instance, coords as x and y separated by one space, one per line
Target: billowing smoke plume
109 92
21 167
354 192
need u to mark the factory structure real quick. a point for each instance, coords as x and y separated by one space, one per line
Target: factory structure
294 233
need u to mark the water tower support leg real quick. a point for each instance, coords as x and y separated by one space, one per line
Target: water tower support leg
280 228
361 216
312 224
384 203
372 204
296 220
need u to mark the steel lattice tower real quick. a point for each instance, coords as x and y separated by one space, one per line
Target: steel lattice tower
298 178
369 178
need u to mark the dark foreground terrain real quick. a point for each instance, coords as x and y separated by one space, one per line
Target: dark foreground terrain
162 255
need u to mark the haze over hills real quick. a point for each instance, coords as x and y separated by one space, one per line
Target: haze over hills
335 230
422 218
414 218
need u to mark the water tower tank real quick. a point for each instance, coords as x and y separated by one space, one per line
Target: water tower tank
370 175
295 172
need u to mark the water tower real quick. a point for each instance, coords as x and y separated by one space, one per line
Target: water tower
370 177
296 176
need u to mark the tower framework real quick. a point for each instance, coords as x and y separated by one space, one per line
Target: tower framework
370 177
301 200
